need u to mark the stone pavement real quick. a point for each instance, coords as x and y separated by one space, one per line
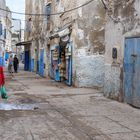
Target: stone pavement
41 109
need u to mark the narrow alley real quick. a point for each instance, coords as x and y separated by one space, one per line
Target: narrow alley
41 109
69 69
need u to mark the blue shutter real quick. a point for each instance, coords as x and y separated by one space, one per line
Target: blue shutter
48 10
0 29
5 33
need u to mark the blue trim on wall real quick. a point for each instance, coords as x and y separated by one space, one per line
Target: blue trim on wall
1 61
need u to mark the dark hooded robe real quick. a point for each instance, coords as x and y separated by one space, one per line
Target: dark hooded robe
15 63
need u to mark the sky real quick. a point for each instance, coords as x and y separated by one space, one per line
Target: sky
18 6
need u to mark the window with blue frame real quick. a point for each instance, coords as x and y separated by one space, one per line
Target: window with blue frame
48 10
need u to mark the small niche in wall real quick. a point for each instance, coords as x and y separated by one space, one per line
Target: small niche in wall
114 53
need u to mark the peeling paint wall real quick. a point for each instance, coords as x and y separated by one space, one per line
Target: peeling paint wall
36 31
125 23
8 44
2 39
87 37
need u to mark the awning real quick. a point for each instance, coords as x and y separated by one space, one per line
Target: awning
23 43
61 32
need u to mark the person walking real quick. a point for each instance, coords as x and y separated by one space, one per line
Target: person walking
15 63
10 65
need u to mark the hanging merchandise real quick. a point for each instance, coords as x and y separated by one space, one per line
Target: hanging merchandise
55 54
62 66
68 51
55 62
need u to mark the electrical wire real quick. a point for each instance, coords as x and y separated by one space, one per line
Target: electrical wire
5 17
107 9
52 14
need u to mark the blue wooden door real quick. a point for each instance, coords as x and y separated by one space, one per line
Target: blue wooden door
41 63
132 71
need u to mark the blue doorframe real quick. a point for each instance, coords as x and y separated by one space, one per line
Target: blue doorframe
132 71
69 66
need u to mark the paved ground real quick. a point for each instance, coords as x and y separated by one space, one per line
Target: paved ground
46 110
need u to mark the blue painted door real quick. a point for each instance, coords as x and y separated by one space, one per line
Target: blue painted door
41 63
132 71
27 61
69 65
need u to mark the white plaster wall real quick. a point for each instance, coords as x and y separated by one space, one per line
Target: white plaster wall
90 71
112 87
113 39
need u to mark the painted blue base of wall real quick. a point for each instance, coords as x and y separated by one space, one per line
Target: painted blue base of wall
57 76
41 68
1 61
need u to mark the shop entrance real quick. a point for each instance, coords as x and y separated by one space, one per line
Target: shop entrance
61 63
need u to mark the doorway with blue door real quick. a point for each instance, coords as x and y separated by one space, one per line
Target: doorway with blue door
132 71
27 58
